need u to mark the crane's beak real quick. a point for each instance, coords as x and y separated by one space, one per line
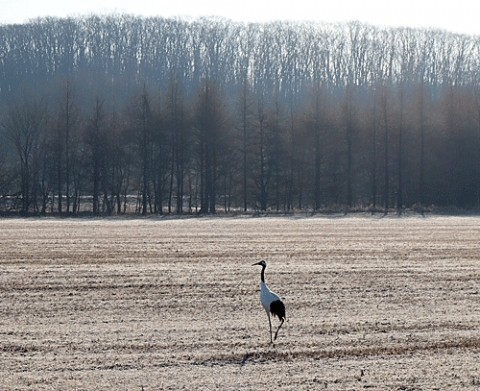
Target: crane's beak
258 263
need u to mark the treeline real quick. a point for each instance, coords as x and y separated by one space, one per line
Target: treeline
120 114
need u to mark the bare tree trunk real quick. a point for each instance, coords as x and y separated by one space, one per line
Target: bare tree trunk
374 154
386 190
400 153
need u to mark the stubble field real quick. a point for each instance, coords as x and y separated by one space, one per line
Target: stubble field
154 304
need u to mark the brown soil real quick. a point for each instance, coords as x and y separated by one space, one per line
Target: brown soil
150 304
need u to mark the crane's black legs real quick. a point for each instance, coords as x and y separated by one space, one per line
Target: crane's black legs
281 324
270 324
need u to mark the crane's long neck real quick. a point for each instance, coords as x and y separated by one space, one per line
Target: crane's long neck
262 274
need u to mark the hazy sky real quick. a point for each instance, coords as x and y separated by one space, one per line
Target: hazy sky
454 15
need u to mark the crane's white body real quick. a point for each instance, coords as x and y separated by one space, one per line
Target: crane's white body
271 302
267 297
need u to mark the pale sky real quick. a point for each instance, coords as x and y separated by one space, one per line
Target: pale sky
462 16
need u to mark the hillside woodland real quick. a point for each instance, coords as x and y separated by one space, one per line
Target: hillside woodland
121 114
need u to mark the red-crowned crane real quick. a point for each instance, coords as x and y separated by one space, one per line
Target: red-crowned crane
270 301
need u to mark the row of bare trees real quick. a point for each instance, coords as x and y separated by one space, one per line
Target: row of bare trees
121 114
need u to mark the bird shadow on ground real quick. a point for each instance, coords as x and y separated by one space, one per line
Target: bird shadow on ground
268 353
262 354
281 352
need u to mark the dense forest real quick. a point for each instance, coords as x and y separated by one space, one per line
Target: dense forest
120 114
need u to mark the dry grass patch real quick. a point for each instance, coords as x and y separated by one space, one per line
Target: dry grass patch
173 304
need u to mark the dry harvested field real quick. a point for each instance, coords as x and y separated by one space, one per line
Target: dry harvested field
159 304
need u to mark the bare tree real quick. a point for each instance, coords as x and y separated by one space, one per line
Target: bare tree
64 145
178 124
210 120
23 125
144 131
95 140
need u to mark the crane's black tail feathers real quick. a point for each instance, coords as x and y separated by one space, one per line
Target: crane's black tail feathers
277 308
